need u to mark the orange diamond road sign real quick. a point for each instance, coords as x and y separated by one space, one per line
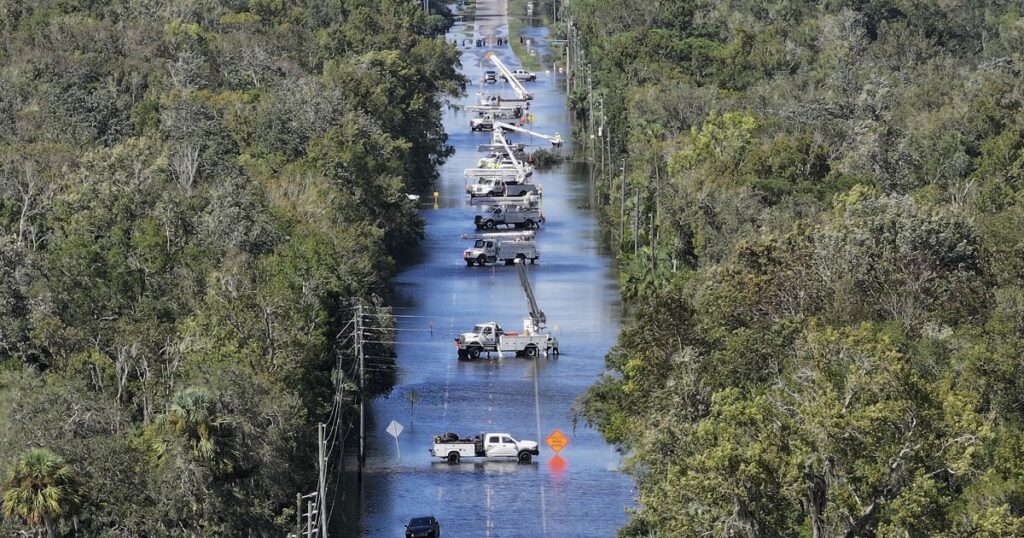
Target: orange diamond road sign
557 440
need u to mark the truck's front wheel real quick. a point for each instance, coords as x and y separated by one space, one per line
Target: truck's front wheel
489 225
525 457
530 351
481 260
474 353
528 223
453 457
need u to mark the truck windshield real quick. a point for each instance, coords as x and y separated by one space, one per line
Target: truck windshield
479 243
478 329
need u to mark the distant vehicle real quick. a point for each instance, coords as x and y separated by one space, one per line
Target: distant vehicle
483 123
453 448
514 216
501 247
423 527
490 77
522 74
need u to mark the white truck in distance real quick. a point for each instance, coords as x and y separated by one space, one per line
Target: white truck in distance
514 216
453 448
508 248
521 75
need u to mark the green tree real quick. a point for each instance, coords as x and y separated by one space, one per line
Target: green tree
41 490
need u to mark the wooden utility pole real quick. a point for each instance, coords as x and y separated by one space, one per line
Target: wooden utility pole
322 483
362 387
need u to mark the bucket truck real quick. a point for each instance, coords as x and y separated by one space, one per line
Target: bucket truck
507 247
489 337
508 75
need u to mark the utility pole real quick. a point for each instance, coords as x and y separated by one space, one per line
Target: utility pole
312 515
622 208
636 223
322 484
362 386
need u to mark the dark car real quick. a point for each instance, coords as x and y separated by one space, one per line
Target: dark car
490 77
423 527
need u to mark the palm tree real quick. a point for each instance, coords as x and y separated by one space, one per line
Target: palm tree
41 489
194 417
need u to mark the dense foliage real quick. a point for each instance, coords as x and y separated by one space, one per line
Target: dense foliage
193 196
823 215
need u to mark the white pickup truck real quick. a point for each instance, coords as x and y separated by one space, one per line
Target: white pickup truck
489 337
453 448
514 216
522 75
492 248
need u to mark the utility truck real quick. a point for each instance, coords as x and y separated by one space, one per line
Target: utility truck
507 74
453 448
500 187
515 216
507 247
483 123
489 337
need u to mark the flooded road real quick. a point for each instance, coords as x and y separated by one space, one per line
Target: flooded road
579 493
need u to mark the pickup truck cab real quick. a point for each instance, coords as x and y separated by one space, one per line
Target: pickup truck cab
452 448
523 75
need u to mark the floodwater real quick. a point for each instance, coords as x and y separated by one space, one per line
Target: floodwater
579 492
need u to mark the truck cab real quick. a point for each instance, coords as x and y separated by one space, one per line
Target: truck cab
483 334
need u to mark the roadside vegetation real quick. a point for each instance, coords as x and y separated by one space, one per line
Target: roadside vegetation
821 228
193 196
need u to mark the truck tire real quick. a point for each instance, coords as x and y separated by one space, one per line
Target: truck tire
481 260
474 352
528 223
530 351
525 457
454 457
489 224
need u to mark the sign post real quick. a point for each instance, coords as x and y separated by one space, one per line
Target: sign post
395 429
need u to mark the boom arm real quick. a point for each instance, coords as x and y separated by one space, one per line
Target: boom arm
555 140
536 314
512 80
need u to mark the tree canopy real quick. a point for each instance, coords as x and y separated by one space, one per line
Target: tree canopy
821 252
193 198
